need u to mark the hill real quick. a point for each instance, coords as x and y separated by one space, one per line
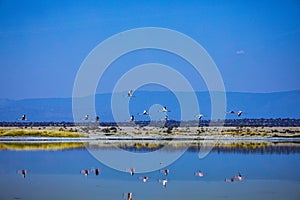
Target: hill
255 105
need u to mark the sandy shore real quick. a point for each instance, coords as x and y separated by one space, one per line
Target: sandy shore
167 133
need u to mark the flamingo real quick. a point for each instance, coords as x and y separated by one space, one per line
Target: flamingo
164 109
163 181
96 170
239 113
132 118
23 118
231 112
239 177
144 178
131 171
130 93
165 171
127 195
232 179
144 113
199 173
199 116
23 172
86 172
166 118
86 117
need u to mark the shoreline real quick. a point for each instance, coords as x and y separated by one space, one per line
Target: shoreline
247 146
83 133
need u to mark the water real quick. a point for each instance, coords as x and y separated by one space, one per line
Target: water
270 171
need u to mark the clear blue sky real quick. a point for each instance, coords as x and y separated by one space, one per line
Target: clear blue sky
255 44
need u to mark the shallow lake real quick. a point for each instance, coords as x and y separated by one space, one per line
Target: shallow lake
53 170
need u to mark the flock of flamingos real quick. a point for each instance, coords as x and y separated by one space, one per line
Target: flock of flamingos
144 179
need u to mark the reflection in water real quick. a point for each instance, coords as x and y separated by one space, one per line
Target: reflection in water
35 146
199 173
244 147
127 196
163 181
165 171
96 171
131 171
239 177
86 172
252 169
144 178
23 172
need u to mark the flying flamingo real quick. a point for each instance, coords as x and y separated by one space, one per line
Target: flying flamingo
23 118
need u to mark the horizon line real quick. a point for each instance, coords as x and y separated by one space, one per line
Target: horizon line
105 93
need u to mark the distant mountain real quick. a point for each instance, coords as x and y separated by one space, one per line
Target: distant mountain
255 105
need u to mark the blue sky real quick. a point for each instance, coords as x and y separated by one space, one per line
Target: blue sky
255 44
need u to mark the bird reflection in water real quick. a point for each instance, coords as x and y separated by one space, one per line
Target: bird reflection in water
199 173
131 171
165 171
144 178
86 172
23 172
128 195
239 177
163 181
96 171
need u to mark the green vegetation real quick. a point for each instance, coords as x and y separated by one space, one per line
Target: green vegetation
39 133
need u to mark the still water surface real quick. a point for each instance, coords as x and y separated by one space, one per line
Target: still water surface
269 170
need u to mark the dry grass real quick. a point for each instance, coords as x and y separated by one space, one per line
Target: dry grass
245 133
